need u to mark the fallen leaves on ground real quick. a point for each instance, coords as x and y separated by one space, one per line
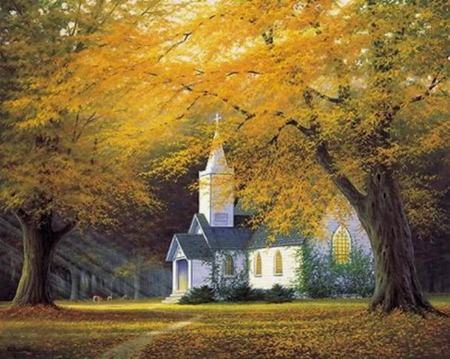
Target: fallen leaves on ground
302 329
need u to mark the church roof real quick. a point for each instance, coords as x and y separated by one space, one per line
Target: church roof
194 246
221 237
217 162
260 239
229 237
202 239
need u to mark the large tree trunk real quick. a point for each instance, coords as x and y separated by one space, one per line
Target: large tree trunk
38 250
381 212
383 217
39 242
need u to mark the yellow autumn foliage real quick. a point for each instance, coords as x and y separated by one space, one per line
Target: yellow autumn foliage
368 80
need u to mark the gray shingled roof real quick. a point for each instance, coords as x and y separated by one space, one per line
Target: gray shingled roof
194 246
229 238
224 237
260 240
197 246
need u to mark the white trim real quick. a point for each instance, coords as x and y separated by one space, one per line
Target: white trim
174 276
190 274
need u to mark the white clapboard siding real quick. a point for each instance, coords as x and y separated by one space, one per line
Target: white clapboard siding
291 262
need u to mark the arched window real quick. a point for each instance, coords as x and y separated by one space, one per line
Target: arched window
278 265
341 245
258 265
229 265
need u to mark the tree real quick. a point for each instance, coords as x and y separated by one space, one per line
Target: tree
325 101
61 165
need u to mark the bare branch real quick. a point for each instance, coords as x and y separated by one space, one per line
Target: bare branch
333 100
77 20
435 82
249 72
248 115
88 121
186 36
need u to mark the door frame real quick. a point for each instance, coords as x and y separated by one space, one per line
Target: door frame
177 275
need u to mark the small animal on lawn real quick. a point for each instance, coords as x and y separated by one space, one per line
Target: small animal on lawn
96 298
109 297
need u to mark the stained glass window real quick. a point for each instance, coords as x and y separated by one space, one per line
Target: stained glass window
258 265
229 265
341 245
278 263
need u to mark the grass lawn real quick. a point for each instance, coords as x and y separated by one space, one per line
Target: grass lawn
302 329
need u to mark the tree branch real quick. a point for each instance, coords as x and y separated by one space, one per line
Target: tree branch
186 36
435 82
324 159
333 100
342 182
248 115
59 234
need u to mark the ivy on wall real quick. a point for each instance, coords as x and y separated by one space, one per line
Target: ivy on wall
320 276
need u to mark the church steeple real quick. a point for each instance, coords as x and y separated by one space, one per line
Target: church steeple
217 162
216 185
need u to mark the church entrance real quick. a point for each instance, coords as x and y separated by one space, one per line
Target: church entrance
182 275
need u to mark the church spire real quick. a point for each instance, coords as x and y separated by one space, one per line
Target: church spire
216 197
217 162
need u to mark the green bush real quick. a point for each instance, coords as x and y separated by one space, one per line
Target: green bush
199 295
242 293
280 294
322 277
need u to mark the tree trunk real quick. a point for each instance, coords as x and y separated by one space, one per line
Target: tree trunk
38 250
383 217
39 243
75 284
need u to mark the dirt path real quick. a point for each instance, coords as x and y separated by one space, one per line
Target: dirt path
133 348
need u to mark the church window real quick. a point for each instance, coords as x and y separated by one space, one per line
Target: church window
220 219
258 265
278 265
229 266
341 245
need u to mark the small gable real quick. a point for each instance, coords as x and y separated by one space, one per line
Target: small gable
189 246
179 253
174 251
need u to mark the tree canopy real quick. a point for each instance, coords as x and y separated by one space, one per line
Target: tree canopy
62 160
327 105
363 80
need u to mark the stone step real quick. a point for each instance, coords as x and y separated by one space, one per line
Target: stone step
173 298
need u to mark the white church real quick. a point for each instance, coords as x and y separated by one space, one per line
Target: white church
218 238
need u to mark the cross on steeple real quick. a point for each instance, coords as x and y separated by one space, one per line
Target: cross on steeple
217 119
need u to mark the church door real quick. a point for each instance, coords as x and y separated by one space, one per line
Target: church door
182 275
